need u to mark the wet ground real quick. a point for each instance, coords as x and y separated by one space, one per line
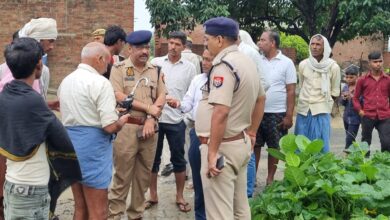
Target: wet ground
166 208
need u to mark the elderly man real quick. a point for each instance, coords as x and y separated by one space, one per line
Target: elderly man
225 129
44 30
319 80
88 113
135 147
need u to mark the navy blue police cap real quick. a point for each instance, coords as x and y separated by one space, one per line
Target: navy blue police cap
139 37
221 26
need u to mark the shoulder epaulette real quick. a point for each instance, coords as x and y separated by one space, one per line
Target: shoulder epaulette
233 71
118 64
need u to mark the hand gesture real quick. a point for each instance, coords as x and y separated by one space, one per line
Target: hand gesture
123 119
173 103
154 110
54 105
148 130
286 123
212 165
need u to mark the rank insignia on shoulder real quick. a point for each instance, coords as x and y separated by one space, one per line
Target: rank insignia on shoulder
129 71
118 64
218 81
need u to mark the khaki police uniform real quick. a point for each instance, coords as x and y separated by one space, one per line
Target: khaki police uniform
225 195
133 157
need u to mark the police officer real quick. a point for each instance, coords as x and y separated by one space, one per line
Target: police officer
226 122
135 145
98 35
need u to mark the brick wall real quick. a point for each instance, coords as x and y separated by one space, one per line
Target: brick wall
358 48
76 19
386 59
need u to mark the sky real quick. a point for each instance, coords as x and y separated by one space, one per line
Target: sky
141 16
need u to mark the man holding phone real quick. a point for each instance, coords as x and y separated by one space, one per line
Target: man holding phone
227 119
135 145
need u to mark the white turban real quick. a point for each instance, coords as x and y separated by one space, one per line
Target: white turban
246 38
40 29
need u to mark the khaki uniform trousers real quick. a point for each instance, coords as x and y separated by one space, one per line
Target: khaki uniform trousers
133 161
225 195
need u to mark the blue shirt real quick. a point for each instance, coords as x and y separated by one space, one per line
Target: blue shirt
350 115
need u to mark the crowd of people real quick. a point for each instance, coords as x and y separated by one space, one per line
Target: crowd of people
117 110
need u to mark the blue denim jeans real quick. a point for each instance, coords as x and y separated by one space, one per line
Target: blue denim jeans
251 176
194 158
25 201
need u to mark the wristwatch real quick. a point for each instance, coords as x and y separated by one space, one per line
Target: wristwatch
149 116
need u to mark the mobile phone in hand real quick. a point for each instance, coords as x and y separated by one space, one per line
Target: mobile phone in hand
220 162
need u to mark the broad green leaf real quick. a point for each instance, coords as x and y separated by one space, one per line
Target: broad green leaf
259 217
272 209
327 186
276 154
299 217
312 206
369 170
287 143
384 186
359 176
307 163
346 178
382 217
302 142
295 176
315 146
361 147
292 159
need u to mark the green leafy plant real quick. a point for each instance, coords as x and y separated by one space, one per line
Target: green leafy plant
296 42
320 185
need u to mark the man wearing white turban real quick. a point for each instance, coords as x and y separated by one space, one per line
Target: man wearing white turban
319 80
44 30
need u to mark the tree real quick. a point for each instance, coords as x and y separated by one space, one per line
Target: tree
338 20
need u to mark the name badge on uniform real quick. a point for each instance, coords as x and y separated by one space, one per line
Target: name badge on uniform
218 81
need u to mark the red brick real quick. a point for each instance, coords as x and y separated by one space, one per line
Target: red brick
75 21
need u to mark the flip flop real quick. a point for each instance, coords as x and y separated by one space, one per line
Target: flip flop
183 206
149 204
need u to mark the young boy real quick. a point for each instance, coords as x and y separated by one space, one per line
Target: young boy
29 134
351 118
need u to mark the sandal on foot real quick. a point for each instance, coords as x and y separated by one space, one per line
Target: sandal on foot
149 204
183 206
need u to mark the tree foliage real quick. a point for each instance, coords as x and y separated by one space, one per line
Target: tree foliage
296 42
336 19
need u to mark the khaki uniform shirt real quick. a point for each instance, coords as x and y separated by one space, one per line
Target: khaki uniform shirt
124 77
310 95
222 85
